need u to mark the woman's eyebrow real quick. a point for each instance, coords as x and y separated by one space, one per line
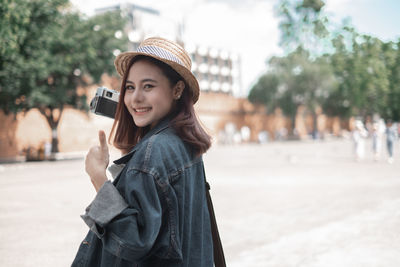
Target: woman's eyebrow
143 81
148 80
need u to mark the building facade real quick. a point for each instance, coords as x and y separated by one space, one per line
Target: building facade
217 70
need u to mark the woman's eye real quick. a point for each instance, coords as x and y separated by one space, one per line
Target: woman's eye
129 87
148 87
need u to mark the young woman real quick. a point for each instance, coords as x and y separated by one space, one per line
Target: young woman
154 213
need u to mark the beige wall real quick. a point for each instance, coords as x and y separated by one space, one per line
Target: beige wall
77 131
8 142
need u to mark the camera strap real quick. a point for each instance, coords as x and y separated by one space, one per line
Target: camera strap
219 257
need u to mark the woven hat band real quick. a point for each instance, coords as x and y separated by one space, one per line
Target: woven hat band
159 52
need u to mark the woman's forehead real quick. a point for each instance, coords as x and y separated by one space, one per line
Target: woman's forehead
145 68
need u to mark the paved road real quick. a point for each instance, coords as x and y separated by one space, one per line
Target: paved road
282 204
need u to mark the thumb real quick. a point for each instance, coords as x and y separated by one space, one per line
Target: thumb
102 139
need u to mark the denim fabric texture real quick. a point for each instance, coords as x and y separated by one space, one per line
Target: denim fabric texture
154 213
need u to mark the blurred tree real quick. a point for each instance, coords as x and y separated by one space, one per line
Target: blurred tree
304 79
373 77
292 81
265 91
338 102
50 50
392 57
303 23
20 48
347 73
363 75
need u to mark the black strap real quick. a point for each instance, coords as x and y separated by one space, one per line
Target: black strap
219 258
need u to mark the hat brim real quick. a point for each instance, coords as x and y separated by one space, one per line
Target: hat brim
122 61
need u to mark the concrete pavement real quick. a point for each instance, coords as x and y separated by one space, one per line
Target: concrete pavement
279 204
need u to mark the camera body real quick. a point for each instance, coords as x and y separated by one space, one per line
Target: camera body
105 102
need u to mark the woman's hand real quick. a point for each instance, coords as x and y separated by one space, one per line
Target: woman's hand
97 161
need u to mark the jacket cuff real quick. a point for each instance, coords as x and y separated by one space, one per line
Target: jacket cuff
107 204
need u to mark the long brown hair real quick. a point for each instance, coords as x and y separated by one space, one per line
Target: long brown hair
184 120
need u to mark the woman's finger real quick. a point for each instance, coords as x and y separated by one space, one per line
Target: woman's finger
103 141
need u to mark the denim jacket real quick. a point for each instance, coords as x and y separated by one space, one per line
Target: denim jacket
154 213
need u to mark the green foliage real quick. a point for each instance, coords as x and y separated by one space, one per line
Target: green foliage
21 44
346 73
392 57
47 50
303 23
363 73
292 81
265 91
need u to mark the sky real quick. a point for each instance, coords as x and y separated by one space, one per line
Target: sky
249 28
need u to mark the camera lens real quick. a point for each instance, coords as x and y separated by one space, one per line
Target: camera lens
93 103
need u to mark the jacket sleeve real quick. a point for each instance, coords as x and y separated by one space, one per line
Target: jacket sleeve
128 222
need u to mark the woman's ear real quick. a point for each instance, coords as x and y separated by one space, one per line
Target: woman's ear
178 89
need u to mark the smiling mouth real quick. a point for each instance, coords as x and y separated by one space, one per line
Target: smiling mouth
141 110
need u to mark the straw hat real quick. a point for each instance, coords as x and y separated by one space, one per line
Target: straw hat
166 51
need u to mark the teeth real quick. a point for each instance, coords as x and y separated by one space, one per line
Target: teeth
142 109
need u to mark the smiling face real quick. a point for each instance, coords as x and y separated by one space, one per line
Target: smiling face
149 95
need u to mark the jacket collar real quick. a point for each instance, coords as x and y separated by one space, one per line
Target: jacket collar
162 125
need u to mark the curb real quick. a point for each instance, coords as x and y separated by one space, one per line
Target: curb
60 156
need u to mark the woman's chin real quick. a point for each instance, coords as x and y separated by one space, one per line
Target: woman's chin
141 123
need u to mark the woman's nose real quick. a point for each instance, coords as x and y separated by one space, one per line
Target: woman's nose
137 96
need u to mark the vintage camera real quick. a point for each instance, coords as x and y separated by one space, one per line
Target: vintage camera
105 102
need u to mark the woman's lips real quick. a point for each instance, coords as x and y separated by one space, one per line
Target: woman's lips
140 111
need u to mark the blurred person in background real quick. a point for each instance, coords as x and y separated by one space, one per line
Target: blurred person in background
359 135
377 135
391 137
